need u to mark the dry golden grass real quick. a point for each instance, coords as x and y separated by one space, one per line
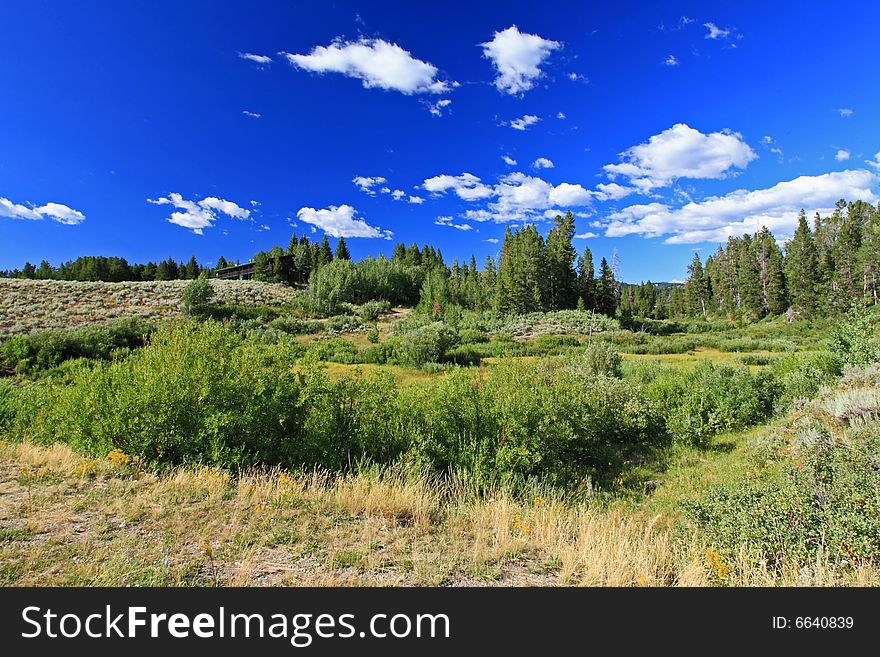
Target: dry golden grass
70 520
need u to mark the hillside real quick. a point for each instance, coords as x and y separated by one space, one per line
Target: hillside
33 305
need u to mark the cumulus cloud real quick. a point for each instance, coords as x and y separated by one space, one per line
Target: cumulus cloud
517 197
586 236
509 161
671 60
492 240
875 162
376 63
682 152
398 194
259 59
517 58
467 186
415 200
577 77
436 109
253 115
524 122
543 163
715 32
560 116
845 112
743 211
59 212
842 155
198 215
340 221
367 183
448 221
612 191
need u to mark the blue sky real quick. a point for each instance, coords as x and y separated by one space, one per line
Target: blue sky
160 129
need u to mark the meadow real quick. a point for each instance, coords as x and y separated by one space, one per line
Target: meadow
260 442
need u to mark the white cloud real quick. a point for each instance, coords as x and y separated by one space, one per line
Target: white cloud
841 155
845 112
543 163
682 152
524 122
715 32
448 222
366 184
340 221
612 191
586 236
198 215
492 240
517 197
577 77
467 186
398 194
253 115
416 200
560 116
509 161
517 58
259 59
875 162
59 212
436 109
743 211
671 60
377 63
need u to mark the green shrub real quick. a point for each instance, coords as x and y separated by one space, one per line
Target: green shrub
826 499
334 350
371 310
854 340
294 326
197 296
426 344
194 394
343 323
602 359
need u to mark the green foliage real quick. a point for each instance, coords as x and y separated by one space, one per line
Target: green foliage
371 310
854 340
824 499
47 349
197 296
602 359
426 344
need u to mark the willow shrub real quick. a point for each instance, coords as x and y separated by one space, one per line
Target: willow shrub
557 421
194 394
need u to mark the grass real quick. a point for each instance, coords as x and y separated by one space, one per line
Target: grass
69 520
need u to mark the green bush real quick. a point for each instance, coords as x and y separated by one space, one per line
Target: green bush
343 323
197 296
371 310
426 344
47 349
854 340
194 394
602 359
826 499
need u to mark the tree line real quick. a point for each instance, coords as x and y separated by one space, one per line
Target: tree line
821 270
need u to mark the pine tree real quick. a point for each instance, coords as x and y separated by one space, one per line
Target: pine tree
802 269
586 284
504 279
696 290
561 280
325 255
748 279
606 290
342 250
